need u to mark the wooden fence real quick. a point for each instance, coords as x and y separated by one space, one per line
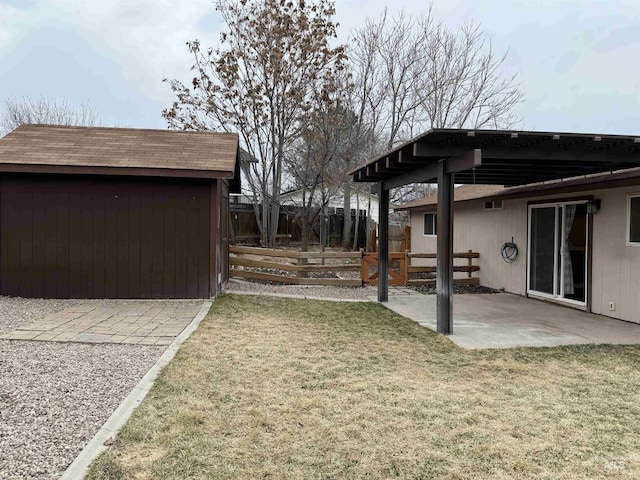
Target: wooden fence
469 268
325 230
299 268
399 238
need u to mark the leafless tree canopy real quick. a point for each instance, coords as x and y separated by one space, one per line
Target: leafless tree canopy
412 74
276 74
274 59
415 74
45 111
317 165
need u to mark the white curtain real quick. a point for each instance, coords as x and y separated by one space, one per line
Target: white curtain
569 215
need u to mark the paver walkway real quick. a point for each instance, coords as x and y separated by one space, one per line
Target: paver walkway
131 322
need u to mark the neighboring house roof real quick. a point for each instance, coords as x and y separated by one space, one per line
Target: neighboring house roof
338 192
476 192
155 152
290 195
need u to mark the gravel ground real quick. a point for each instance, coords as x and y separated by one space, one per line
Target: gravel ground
457 289
284 273
55 396
357 293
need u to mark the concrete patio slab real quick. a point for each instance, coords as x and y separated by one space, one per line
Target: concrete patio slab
504 320
128 322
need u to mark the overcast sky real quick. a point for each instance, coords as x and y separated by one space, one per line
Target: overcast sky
579 61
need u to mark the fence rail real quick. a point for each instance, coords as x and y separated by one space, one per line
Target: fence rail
292 268
295 268
469 268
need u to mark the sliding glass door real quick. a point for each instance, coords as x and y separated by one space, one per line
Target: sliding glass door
558 251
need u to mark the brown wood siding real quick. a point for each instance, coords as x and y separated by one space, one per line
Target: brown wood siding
97 237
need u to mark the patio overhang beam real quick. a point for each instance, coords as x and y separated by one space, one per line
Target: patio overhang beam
428 173
537 154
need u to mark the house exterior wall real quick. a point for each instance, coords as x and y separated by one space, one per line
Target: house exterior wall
358 201
615 272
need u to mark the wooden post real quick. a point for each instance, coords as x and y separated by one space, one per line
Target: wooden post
383 246
407 237
444 262
470 264
373 239
407 264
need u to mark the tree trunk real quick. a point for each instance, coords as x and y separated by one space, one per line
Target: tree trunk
346 204
304 241
323 230
273 224
264 232
356 233
369 224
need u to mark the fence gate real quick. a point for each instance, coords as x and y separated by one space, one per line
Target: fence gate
397 270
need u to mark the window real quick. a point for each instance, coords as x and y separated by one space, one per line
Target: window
430 223
633 220
493 204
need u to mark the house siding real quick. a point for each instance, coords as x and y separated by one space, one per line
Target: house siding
615 272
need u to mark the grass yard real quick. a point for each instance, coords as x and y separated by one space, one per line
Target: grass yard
280 388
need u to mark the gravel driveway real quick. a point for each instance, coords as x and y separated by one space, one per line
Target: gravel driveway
53 396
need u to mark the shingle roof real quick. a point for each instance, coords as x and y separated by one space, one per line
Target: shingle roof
127 148
575 184
461 193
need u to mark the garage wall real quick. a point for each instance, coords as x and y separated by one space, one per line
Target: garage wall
104 237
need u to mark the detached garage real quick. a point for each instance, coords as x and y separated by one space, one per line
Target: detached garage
115 213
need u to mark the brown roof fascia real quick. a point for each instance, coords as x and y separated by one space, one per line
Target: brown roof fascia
116 171
544 190
569 187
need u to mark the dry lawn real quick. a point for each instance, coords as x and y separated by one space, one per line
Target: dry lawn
279 388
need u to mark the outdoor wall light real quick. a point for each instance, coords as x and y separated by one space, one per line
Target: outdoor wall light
593 206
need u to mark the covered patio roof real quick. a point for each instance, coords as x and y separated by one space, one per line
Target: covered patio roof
489 157
508 157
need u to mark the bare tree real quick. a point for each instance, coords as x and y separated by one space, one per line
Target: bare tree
315 165
260 82
467 88
45 111
412 75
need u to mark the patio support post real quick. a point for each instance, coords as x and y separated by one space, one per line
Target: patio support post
383 244
444 264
